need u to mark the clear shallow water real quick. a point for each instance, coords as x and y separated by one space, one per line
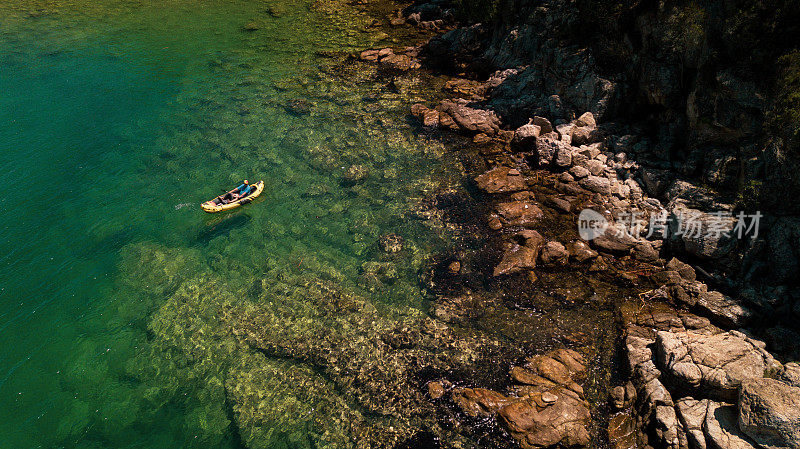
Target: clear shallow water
116 119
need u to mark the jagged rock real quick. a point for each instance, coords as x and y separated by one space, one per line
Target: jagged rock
548 407
721 430
561 366
590 151
554 253
645 252
548 147
549 414
684 270
714 364
562 204
692 414
543 124
516 259
481 138
581 251
563 156
595 167
369 55
614 241
769 413
525 137
586 119
519 213
471 119
581 135
560 423
479 401
430 117
596 184
565 131
579 171
791 374
723 309
702 234
501 180
531 238
666 426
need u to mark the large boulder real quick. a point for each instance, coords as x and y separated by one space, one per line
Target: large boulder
553 410
548 147
519 213
596 184
471 119
769 413
715 365
586 120
525 137
545 408
479 401
692 414
721 430
722 309
702 234
562 422
517 258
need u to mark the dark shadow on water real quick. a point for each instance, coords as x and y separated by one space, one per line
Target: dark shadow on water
217 226
422 440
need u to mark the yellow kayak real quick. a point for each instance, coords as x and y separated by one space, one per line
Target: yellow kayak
218 205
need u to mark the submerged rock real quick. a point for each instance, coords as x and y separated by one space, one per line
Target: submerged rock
501 180
391 243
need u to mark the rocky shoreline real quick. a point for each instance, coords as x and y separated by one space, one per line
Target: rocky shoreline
694 375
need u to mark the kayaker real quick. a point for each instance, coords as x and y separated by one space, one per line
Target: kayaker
244 189
237 193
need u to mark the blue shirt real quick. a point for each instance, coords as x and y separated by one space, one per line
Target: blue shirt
244 189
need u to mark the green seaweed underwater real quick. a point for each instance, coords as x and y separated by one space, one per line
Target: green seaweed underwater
132 319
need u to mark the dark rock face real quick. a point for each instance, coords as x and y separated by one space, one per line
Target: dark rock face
671 128
669 91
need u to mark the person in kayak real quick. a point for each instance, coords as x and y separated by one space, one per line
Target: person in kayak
237 193
244 189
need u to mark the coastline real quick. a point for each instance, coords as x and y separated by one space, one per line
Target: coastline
459 245
534 175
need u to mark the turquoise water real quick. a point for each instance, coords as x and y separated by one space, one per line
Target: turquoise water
117 118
